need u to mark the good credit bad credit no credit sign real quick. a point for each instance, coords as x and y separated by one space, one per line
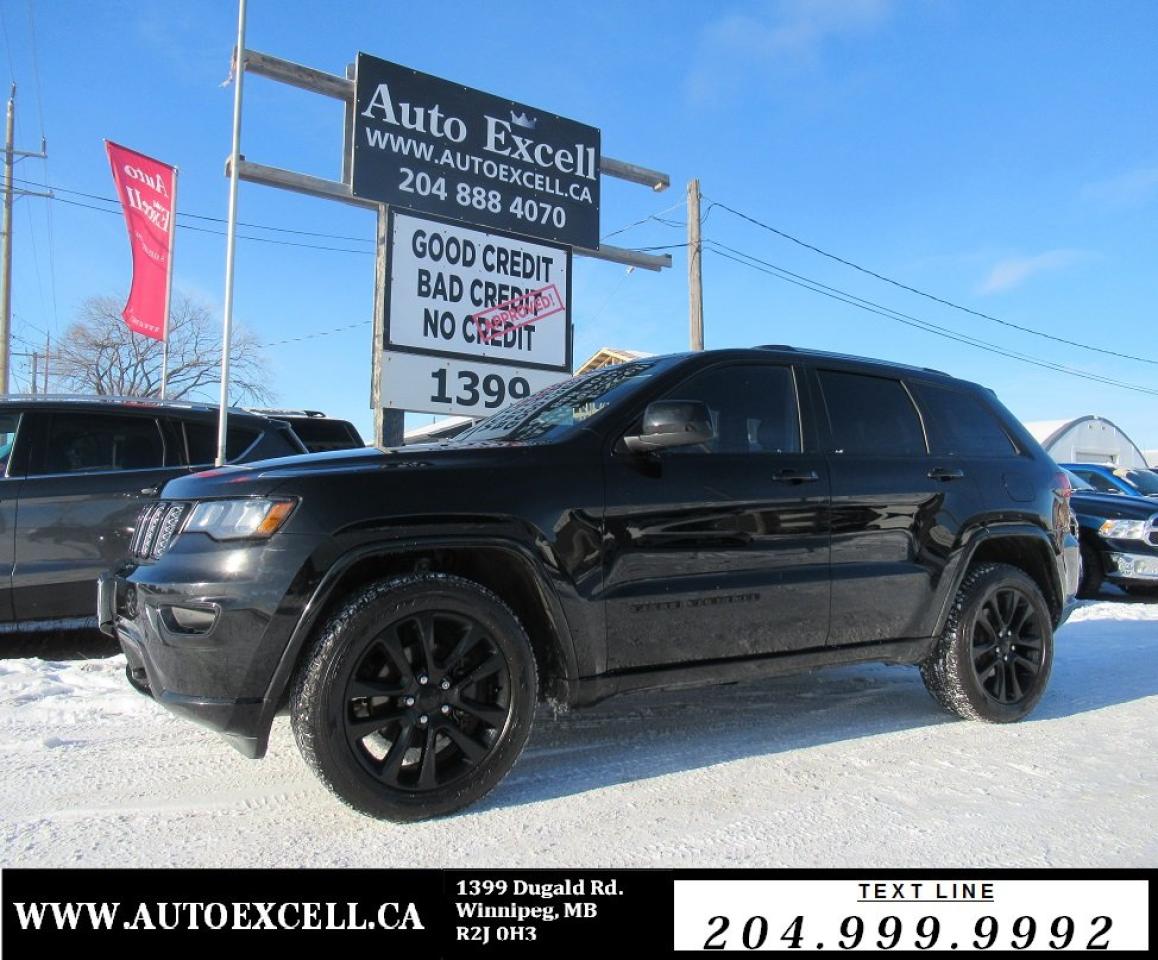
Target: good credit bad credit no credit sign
474 320
427 144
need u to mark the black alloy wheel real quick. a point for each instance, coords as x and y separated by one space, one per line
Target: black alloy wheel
427 701
417 696
993 658
1007 645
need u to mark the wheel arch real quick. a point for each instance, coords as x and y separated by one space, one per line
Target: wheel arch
1021 545
505 567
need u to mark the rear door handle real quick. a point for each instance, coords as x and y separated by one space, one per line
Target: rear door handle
796 476
946 473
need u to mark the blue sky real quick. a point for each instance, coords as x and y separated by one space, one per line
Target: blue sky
1002 155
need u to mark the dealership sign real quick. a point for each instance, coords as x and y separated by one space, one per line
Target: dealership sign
438 147
474 319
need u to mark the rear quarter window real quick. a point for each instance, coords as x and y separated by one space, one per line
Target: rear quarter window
202 442
960 425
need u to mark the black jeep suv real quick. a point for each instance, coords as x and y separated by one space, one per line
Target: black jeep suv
668 522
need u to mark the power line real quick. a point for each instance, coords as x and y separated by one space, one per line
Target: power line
219 233
318 333
7 44
200 216
807 283
930 296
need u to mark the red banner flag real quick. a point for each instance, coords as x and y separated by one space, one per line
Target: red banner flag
147 189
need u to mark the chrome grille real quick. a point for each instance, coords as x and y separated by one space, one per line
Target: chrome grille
157 526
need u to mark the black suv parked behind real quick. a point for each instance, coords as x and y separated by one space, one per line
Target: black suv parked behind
74 474
1119 540
668 522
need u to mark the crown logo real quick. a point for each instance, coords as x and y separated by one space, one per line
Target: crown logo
523 120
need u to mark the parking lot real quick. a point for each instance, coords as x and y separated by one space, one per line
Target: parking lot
851 767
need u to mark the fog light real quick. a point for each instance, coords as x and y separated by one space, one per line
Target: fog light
1135 565
192 619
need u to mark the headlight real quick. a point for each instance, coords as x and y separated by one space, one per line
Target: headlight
1124 529
240 518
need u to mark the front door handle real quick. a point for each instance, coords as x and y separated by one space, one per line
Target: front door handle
946 473
796 476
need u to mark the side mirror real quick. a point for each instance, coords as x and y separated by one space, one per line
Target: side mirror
672 423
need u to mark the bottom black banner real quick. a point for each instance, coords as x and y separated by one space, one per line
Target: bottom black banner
460 913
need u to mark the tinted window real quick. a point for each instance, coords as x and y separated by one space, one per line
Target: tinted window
1098 482
320 433
1143 481
92 441
8 422
202 440
960 425
753 408
871 416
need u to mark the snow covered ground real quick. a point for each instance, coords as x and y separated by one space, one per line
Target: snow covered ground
849 767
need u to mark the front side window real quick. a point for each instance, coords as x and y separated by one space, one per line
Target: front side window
753 408
87 442
871 416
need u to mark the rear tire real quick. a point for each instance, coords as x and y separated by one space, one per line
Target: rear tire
993 659
416 698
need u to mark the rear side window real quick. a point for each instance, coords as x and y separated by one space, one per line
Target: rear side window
86 442
960 425
871 416
202 440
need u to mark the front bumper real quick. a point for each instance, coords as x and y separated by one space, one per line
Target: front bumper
203 631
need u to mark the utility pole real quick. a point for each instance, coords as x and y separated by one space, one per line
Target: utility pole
695 276
10 155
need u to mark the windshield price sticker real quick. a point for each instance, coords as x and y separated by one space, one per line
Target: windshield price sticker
949 915
427 144
431 384
477 295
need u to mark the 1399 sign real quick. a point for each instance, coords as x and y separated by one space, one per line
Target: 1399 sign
490 391
923 933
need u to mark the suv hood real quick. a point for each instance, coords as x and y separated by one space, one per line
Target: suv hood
263 477
1111 506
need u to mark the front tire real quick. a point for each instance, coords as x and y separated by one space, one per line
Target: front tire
993 659
416 698
1092 574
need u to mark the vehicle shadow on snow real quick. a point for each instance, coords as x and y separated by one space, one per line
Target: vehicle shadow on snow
1097 663
58 645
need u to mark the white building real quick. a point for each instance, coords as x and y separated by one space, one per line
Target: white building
1087 440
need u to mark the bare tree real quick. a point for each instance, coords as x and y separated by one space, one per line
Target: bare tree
100 354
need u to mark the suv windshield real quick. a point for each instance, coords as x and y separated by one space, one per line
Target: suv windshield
562 405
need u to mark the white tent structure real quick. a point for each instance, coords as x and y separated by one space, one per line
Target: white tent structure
1087 439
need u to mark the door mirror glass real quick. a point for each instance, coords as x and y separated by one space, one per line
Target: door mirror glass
672 423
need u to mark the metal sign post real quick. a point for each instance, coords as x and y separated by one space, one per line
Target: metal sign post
560 157
231 235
